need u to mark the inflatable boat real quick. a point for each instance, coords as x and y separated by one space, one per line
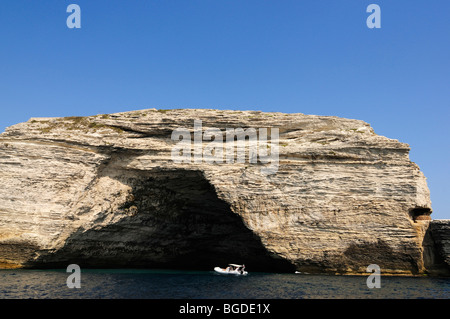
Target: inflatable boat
232 269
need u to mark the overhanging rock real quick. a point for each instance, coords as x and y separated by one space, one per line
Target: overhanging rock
104 191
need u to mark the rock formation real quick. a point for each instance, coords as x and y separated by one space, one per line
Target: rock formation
437 247
104 191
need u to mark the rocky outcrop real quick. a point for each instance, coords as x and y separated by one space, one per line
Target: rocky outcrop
104 191
437 247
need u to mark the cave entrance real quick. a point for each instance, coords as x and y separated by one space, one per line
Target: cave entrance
420 213
177 222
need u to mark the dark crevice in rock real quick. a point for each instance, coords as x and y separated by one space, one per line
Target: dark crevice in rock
150 132
420 213
174 219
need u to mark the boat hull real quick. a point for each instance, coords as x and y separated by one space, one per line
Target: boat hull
229 272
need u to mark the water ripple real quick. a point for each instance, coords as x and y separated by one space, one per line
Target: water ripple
164 284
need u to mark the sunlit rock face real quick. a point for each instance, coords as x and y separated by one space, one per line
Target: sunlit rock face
104 191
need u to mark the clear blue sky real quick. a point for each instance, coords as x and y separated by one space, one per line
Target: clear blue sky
309 56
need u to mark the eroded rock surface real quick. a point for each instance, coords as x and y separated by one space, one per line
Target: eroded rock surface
437 247
103 191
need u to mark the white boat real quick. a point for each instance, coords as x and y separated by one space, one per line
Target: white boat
232 269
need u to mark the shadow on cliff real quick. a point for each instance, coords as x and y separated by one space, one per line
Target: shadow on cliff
434 255
360 255
174 220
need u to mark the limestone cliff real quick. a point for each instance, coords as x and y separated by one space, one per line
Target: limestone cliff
437 247
103 191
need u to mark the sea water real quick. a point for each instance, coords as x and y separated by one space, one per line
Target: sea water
171 284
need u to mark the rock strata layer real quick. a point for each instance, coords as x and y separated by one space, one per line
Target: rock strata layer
104 191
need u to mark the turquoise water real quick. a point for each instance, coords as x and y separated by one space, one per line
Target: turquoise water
166 284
